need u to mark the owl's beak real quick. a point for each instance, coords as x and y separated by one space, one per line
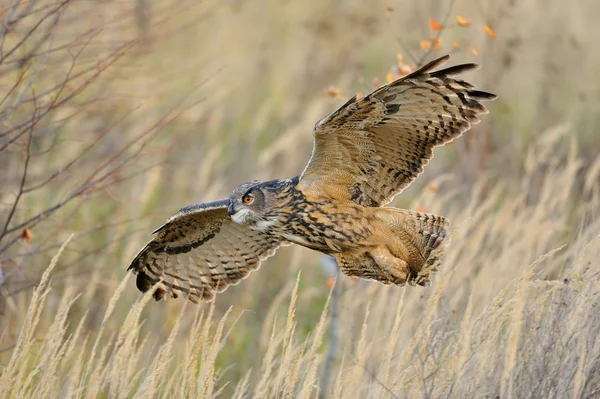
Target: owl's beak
230 209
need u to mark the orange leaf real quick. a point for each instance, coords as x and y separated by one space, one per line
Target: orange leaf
404 70
330 281
434 25
27 236
455 45
462 21
425 44
400 59
389 78
436 43
389 10
433 188
489 31
471 50
420 209
331 92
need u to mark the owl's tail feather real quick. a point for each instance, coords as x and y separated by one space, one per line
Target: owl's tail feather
428 235
432 229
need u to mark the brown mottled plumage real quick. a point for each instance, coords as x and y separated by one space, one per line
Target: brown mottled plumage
364 154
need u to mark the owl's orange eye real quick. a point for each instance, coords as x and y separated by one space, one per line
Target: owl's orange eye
248 199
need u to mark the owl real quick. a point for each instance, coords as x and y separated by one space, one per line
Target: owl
364 153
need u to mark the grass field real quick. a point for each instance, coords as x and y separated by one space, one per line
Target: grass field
115 114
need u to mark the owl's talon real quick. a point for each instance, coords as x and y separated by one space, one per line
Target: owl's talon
423 281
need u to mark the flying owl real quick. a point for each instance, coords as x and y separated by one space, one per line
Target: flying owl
365 152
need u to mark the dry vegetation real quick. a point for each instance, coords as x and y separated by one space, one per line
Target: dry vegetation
114 114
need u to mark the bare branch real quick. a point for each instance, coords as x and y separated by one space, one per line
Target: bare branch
33 29
13 88
23 179
104 64
13 8
89 185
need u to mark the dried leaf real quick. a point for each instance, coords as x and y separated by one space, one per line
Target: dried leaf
425 44
399 59
472 50
26 235
331 92
434 25
462 21
330 281
404 70
489 31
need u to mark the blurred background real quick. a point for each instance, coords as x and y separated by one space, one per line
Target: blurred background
115 114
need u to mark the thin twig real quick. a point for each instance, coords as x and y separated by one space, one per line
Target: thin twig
23 179
437 35
33 29
13 8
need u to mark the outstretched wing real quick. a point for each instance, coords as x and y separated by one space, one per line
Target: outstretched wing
200 251
370 149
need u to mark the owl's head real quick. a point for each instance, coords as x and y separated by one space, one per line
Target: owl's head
252 203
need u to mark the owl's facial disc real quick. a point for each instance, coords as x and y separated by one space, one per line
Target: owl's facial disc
246 204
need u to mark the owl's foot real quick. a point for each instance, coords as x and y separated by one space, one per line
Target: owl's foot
396 269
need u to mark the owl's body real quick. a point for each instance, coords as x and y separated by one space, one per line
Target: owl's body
385 238
365 153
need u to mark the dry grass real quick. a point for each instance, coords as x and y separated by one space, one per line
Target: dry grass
216 94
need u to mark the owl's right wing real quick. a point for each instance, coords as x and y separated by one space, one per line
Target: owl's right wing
199 252
370 149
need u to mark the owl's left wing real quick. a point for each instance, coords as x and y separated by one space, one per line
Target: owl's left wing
199 252
369 150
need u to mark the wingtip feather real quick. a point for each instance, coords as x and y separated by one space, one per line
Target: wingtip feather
159 228
433 64
454 70
482 95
